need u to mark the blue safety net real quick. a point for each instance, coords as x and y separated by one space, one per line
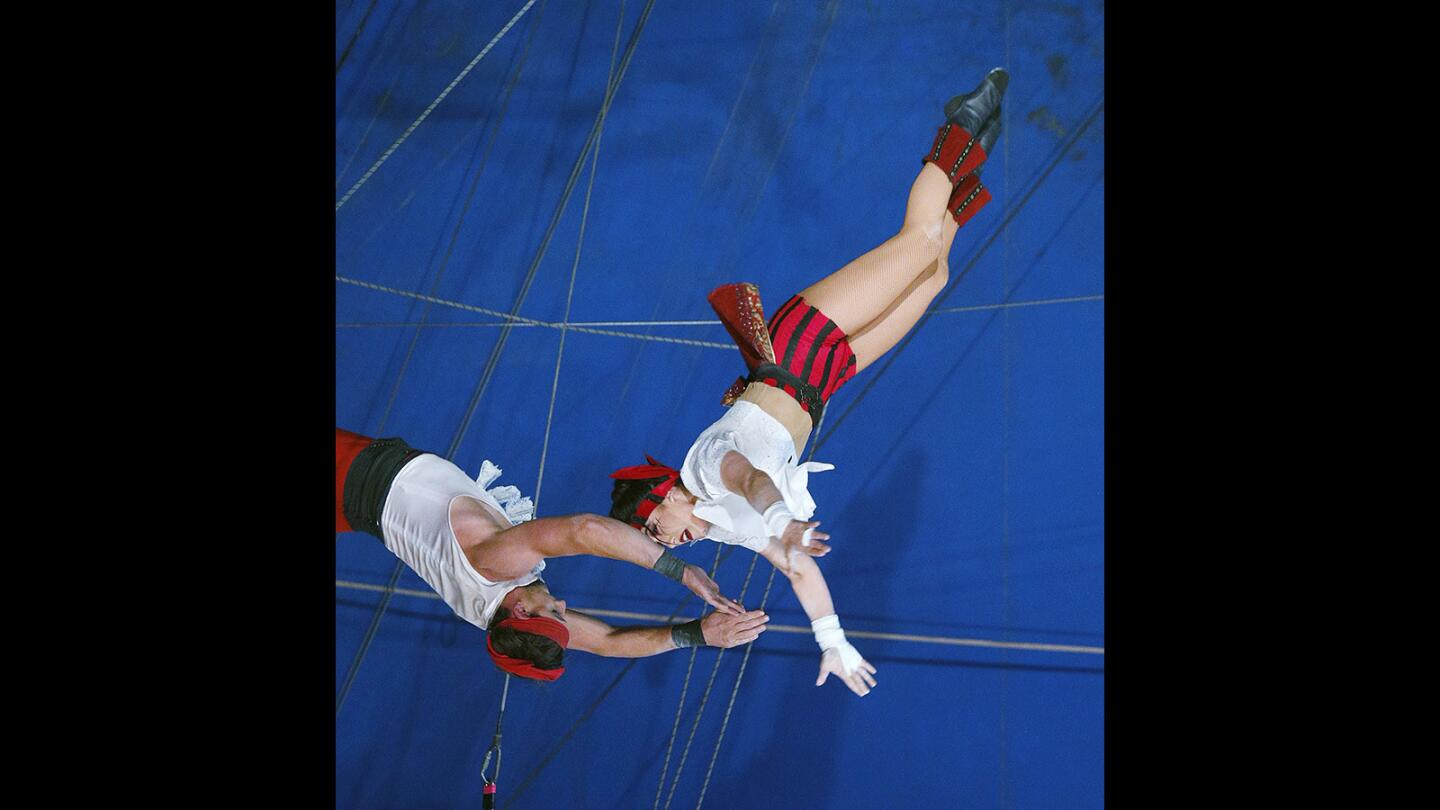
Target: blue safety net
521 275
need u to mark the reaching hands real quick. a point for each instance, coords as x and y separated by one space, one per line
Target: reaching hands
800 537
704 587
845 662
723 630
796 535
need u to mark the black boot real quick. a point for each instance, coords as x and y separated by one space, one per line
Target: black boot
973 109
958 150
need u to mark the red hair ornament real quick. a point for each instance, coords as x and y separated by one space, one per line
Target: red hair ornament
657 493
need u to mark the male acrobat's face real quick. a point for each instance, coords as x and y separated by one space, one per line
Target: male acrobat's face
535 599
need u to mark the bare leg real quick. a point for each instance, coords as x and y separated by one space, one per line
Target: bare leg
862 291
876 338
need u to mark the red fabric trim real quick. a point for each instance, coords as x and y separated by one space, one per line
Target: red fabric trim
970 184
951 140
646 506
347 446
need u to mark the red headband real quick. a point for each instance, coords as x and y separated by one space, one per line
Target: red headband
657 494
540 626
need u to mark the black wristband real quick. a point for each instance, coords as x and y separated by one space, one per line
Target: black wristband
688 634
670 566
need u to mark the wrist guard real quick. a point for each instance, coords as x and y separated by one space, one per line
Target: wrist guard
670 566
827 631
688 634
830 637
777 517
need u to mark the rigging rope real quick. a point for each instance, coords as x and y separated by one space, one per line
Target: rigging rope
433 104
513 320
684 688
573 325
786 628
720 557
465 209
705 697
524 293
488 793
733 692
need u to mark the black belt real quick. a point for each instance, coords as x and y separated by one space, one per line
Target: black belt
805 393
367 482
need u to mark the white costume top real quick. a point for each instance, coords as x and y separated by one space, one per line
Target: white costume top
416 527
748 430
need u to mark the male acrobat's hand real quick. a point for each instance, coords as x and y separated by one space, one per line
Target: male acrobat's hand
795 539
704 587
847 665
722 630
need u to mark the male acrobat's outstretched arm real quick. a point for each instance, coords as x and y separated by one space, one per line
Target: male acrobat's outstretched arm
517 550
715 630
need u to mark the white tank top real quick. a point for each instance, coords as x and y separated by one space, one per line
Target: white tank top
416 528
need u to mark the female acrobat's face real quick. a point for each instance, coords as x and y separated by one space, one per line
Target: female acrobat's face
673 522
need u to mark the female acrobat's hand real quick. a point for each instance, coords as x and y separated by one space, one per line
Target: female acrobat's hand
796 542
704 587
847 665
721 630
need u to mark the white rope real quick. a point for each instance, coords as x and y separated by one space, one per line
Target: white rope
680 705
520 320
570 324
734 692
705 698
791 628
704 344
495 742
577 325
434 104
1014 304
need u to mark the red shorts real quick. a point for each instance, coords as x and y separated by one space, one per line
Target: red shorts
812 347
347 446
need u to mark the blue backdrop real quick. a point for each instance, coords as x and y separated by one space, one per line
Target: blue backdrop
762 141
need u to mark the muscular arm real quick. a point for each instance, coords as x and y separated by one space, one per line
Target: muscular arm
805 579
516 550
720 630
594 636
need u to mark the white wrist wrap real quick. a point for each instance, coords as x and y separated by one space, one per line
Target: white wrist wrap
827 631
777 517
830 637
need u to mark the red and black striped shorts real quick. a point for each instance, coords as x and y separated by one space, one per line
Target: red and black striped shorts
812 347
